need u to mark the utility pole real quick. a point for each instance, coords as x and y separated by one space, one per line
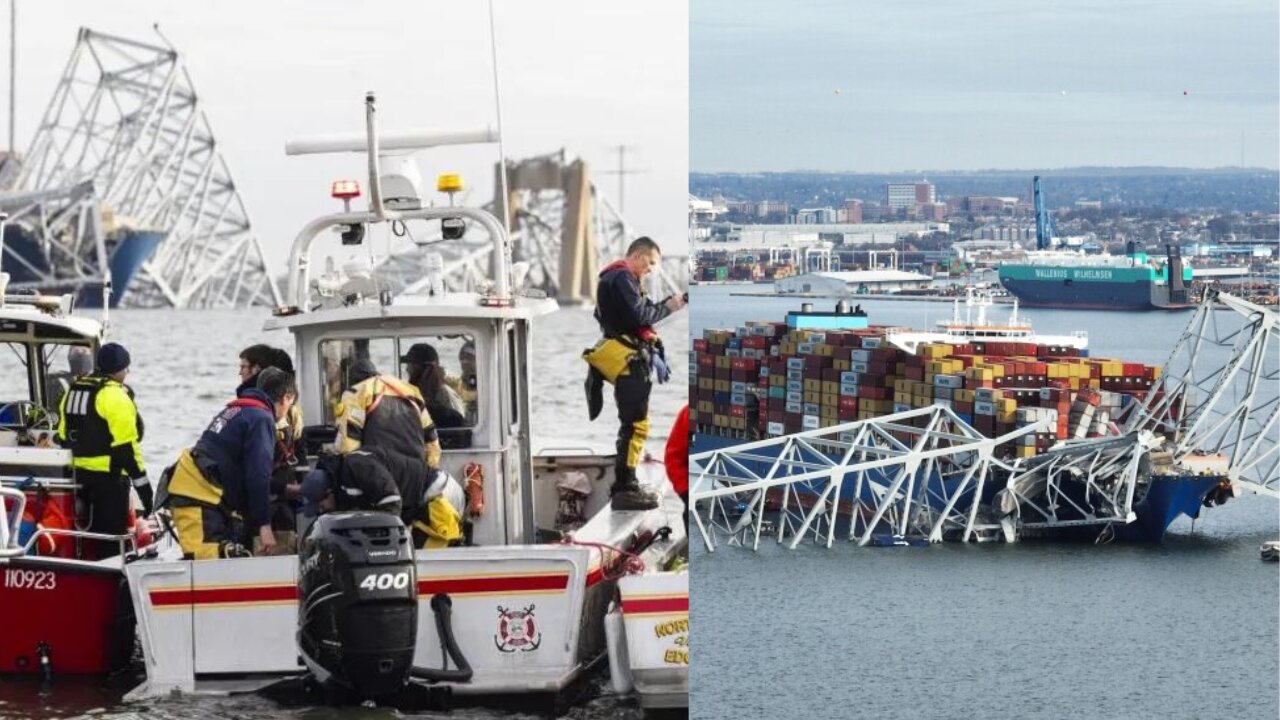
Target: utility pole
622 172
13 71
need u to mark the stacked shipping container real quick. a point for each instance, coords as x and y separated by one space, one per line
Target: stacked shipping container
766 379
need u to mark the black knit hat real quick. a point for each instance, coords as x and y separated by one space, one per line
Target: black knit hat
112 358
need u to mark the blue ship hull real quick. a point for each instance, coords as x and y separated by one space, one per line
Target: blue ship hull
1166 498
26 263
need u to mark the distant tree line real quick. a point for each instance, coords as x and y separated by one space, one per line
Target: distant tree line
1205 191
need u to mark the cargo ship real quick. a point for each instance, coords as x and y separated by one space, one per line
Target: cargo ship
1049 278
1134 281
29 266
817 370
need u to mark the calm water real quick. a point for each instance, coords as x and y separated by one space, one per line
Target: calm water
184 371
1184 629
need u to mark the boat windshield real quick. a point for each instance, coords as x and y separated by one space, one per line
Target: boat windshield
442 367
17 396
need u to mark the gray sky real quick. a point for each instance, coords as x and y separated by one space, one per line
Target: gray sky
982 84
578 74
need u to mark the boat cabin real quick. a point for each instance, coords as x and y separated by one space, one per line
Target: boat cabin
483 350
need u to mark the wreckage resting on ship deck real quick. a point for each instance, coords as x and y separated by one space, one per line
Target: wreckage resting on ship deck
1200 432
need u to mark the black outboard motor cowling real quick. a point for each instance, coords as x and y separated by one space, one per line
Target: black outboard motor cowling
358 603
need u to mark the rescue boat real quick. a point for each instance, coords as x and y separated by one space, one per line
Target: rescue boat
530 593
75 612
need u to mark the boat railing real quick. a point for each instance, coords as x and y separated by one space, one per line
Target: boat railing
127 543
13 503
372 145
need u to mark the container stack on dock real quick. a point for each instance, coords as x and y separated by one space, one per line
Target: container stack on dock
765 379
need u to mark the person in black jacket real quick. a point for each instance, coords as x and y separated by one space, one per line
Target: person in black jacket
629 352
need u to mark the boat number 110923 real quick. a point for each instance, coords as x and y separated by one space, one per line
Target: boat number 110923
30 579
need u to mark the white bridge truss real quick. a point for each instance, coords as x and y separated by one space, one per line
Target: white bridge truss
125 136
1220 392
924 473
899 479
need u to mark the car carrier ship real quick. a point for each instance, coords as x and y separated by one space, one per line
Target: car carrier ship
1050 278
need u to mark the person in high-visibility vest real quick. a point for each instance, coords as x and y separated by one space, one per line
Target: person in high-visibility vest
626 356
98 422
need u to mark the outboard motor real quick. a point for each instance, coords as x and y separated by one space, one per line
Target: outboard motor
358 603
358 608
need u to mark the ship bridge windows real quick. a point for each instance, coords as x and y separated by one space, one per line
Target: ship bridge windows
441 366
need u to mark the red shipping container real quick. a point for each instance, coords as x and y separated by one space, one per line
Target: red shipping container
848 403
706 360
816 362
699 345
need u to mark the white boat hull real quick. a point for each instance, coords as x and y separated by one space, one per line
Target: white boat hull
649 639
528 618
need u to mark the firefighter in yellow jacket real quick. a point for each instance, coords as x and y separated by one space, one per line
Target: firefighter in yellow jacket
382 411
98 421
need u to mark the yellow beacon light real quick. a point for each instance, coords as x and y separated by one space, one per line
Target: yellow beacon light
449 183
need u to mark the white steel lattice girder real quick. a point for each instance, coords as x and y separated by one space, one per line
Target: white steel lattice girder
1220 392
125 115
890 464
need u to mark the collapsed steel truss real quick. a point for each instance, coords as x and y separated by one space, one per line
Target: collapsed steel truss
563 229
884 475
125 132
1220 392
926 473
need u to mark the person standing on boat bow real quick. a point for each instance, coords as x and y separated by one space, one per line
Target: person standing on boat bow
625 357
98 422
